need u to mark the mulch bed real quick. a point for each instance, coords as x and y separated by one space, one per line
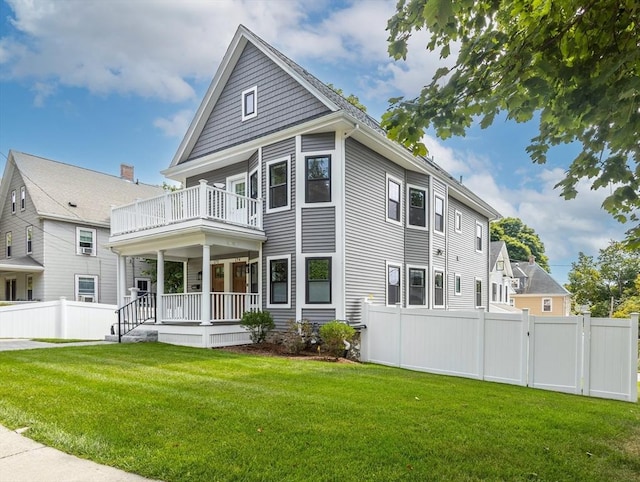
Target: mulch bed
275 349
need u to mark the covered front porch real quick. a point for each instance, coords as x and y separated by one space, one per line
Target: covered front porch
217 238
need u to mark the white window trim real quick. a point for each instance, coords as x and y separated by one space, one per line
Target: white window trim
475 237
550 310
8 243
386 282
287 206
255 171
426 208
457 277
444 214
29 280
26 239
148 280
457 215
281 306
253 90
334 276
444 288
23 198
14 202
475 282
95 286
426 284
94 250
303 170
386 201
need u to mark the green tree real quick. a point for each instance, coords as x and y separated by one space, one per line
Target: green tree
352 99
631 304
521 240
587 286
173 275
574 63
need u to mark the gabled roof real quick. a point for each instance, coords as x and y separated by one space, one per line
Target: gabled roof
72 193
371 132
498 250
538 281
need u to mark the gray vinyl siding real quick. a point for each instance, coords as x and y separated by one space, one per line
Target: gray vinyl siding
253 161
62 263
281 102
370 241
416 247
280 229
319 230
324 141
462 257
220 175
319 316
439 240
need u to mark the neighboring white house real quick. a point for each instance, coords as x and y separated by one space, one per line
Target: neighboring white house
296 202
54 227
500 279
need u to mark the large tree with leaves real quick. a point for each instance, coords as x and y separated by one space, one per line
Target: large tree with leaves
574 63
521 240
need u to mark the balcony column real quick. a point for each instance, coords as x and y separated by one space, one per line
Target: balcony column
206 285
203 198
159 286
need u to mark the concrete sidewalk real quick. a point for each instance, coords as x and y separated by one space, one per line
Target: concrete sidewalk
23 460
7 344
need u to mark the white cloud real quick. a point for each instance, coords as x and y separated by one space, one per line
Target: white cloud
176 125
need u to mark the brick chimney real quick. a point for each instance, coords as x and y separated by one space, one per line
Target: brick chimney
532 259
126 172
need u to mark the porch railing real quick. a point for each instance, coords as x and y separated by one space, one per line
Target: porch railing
187 307
202 201
134 313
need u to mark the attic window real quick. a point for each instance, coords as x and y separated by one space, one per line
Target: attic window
249 103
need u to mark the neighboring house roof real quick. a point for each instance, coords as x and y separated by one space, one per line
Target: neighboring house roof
336 104
72 193
538 281
494 251
23 263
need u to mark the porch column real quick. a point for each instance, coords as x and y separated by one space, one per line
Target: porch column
122 279
159 286
206 285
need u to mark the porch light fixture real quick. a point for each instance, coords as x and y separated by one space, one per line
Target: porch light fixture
199 275
219 185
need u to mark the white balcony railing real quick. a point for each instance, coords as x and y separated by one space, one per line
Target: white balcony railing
187 307
202 201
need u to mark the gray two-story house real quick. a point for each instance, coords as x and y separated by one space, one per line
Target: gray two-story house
54 228
297 203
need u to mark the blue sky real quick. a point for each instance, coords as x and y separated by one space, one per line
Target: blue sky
97 83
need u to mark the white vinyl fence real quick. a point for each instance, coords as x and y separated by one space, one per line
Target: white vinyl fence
57 319
575 354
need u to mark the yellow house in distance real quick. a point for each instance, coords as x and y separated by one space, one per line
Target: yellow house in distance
536 290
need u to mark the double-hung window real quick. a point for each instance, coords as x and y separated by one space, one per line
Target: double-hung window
254 191
318 177
478 292
417 286
478 237
394 294
394 188
318 280
87 288
23 198
438 214
546 305
417 207
278 184
279 276
494 292
457 289
249 103
86 241
29 239
8 242
438 288
458 222
13 202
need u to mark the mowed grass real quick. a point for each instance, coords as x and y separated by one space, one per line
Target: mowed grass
181 414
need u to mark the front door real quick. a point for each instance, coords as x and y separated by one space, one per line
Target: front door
217 277
10 290
238 205
239 286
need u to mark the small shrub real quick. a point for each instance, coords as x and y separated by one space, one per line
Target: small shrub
334 334
298 337
258 324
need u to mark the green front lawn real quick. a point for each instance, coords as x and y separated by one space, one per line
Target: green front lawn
180 414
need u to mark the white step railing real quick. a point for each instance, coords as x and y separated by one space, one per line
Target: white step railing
200 201
187 307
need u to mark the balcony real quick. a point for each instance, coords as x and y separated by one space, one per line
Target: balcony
198 202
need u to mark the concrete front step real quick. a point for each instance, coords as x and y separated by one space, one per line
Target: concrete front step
136 336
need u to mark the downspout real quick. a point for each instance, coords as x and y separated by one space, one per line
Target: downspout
446 253
430 231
